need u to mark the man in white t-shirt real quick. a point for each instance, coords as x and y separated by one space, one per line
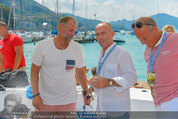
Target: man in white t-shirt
57 61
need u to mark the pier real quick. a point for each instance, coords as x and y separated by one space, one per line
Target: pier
85 40
38 38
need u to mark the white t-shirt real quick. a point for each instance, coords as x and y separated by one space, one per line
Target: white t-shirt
57 73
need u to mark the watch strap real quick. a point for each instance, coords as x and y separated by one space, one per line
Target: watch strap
110 82
36 95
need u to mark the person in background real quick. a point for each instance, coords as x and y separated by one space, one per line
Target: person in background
94 72
11 51
138 85
169 28
161 55
55 62
94 75
116 74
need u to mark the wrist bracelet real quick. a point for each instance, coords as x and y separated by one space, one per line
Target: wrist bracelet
36 95
110 82
84 92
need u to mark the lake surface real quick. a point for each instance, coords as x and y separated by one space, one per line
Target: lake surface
91 52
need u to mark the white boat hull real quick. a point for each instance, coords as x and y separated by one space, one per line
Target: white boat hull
122 32
26 38
140 100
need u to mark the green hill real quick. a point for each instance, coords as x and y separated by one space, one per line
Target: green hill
161 19
165 19
33 14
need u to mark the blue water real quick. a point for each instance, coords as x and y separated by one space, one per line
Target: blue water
91 52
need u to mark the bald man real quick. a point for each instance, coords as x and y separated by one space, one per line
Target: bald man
115 71
161 55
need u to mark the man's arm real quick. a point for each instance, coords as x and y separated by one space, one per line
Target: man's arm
81 75
34 76
77 81
127 76
125 79
18 57
80 72
102 82
1 63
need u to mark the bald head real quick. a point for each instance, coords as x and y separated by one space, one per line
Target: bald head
106 25
104 35
146 31
147 20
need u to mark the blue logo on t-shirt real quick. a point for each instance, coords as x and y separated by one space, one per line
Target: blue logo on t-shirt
70 64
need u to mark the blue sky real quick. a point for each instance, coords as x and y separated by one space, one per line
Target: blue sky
112 10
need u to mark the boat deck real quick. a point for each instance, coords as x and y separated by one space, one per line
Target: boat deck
141 99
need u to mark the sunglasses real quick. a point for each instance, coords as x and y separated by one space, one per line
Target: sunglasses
139 25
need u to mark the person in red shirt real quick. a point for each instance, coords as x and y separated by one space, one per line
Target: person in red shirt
11 51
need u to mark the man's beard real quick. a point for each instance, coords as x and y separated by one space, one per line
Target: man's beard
68 40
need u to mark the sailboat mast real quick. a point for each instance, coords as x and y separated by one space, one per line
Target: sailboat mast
86 17
95 15
1 12
86 9
43 9
57 11
30 15
14 15
10 14
157 7
21 13
73 8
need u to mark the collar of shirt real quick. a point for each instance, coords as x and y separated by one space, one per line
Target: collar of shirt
107 50
159 39
6 38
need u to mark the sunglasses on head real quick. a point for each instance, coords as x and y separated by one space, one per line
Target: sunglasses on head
139 25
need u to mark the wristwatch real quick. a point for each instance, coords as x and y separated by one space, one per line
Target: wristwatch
110 82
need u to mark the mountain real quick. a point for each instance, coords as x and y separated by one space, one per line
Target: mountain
165 19
37 17
161 20
122 24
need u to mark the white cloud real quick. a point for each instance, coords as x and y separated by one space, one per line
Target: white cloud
112 10
171 8
109 2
